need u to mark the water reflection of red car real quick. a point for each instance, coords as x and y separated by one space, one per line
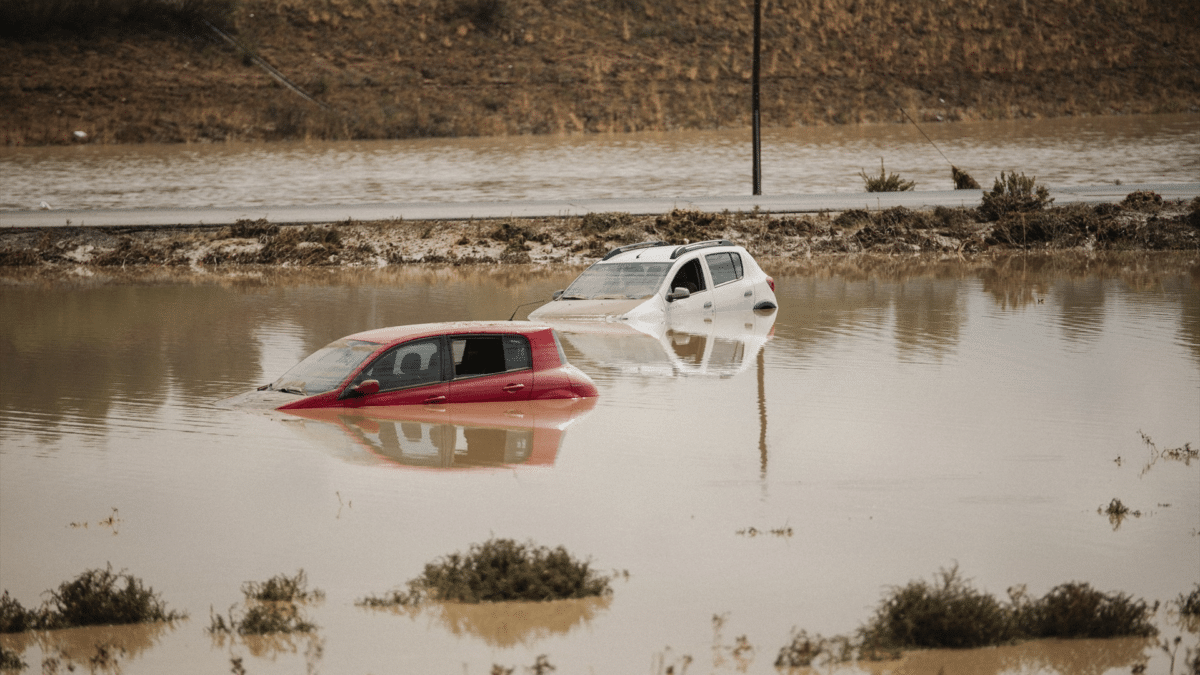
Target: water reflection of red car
429 364
463 435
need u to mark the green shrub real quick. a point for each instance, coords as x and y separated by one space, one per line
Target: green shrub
885 182
1014 193
504 570
282 588
102 597
946 614
1076 610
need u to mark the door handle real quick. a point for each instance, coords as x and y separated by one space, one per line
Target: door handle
514 387
708 305
748 293
435 399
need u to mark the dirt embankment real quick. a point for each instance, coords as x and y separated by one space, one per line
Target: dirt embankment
412 68
1142 222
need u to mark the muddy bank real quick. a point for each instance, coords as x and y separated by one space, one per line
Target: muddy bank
419 68
1142 222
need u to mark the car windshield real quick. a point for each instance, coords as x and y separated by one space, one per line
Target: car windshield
607 281
325 368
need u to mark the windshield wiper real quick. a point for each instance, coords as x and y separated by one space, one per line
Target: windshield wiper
290 390
572 297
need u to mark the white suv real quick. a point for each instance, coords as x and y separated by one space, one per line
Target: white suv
655 280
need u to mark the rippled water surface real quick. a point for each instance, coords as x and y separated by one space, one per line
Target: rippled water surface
886 423
810 160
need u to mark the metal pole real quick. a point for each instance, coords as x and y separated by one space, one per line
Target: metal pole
754 97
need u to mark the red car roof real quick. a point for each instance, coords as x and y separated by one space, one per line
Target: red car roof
397 333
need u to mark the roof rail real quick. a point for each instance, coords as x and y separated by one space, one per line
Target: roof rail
700 244
633 247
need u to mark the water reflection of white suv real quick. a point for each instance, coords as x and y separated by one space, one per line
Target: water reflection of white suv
655 280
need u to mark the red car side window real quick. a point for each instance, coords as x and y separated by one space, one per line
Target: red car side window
487 354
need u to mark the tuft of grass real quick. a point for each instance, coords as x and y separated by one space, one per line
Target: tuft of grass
1189 605
805 649
261 619
260 229
1143 200
1014 193
500 570
946 614
11 660
282 588
102 597
597 223
885 182
1076 610
962 179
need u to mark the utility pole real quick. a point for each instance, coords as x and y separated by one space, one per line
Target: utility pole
756 121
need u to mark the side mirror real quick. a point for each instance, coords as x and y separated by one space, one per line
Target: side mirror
366 388
678 294
557 294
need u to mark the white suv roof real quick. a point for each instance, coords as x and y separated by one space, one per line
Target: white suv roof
661 251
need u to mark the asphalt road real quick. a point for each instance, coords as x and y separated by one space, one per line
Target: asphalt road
807 203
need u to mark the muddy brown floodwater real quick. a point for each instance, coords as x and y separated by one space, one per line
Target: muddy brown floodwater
771 471
1129 149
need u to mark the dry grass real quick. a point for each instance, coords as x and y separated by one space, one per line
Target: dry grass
415 68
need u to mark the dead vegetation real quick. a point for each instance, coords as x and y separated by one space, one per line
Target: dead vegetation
116 70
1138 224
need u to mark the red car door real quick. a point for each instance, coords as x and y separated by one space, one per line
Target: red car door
408 374
490 368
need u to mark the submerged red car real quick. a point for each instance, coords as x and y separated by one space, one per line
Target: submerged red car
431 364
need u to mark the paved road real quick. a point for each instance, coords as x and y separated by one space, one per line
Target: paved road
525 209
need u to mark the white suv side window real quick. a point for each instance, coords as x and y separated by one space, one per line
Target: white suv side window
724 267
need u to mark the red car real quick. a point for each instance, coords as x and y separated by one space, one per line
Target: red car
432 364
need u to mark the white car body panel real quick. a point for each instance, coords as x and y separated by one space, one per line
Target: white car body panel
752 290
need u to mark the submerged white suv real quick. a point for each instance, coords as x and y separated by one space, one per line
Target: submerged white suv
654 281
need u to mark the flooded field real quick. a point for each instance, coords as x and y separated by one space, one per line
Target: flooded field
741 478
807 160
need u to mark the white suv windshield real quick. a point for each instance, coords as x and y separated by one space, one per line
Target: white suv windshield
325 368
607 281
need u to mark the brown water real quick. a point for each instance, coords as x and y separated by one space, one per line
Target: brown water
808 160
890 420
